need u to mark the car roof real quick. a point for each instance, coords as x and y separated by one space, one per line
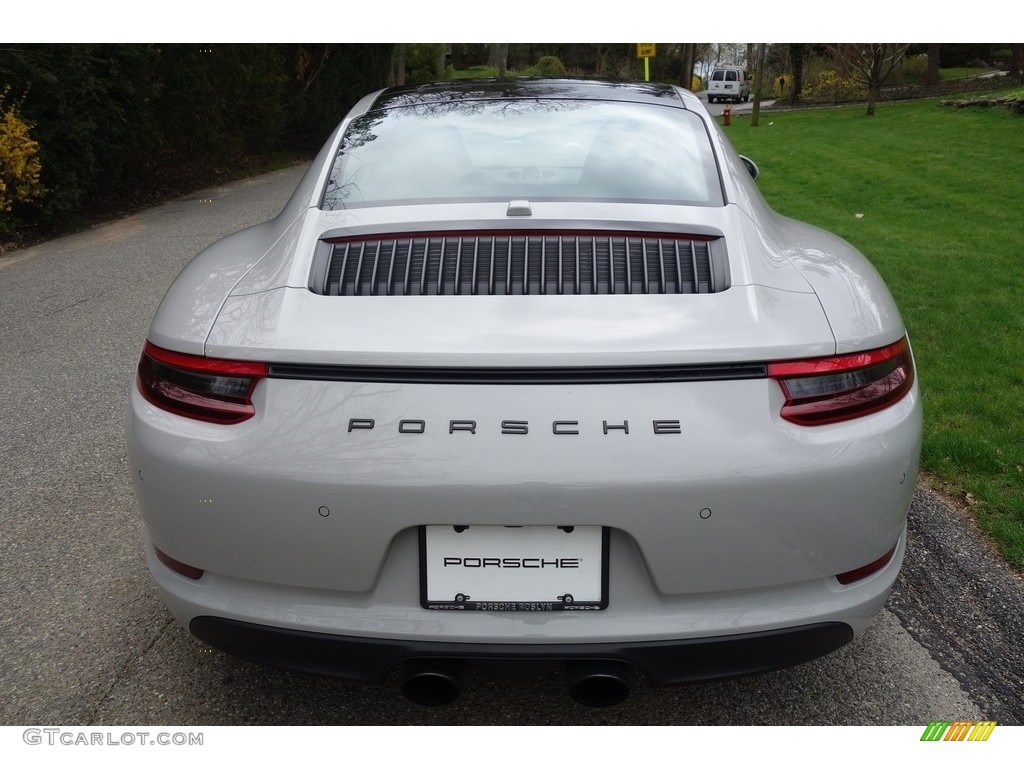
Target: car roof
527 88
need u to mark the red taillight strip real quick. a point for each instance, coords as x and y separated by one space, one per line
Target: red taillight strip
866 570
825 365
188 571
201 364
208 389
831 389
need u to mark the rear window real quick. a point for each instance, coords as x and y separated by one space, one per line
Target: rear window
726 76
530 149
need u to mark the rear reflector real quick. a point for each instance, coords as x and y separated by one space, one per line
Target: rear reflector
177 566
202 388
866 570
830 389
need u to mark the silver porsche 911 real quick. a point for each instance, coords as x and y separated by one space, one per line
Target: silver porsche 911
526 370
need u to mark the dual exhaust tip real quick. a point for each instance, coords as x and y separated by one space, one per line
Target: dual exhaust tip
590 683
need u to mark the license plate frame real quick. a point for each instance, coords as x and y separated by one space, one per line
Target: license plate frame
554 572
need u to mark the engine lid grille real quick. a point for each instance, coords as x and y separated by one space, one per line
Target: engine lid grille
521 264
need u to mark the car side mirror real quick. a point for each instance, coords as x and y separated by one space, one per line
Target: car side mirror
751 167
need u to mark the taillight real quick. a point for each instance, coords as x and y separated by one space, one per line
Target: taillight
199 387
189 571
866 570
830 389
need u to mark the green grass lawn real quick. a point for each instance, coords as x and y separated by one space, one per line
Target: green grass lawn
481 70
941 191
952 73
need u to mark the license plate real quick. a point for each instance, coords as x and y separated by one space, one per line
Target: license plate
514 568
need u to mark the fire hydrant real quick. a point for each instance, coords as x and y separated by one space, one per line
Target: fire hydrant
727 114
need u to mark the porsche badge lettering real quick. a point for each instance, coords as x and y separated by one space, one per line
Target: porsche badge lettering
519 427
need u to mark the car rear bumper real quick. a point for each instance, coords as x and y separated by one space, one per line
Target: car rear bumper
671 639
664 662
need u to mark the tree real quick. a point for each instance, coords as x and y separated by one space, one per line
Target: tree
870 64
693 54
1017 65
497 56
758 83
19 163
933 64
689 61
424 62
118 122
398 65
92 110
797 54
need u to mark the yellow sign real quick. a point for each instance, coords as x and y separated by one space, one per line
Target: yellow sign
645 50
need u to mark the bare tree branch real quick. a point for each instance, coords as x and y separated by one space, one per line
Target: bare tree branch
870 64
